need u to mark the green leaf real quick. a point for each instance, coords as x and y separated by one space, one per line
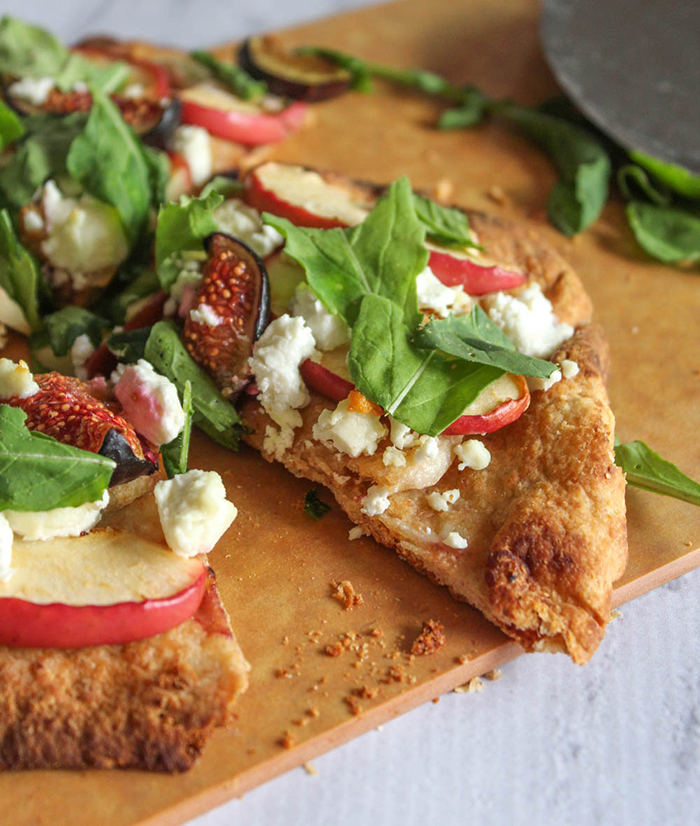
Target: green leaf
677 178
64 326
19 272
381 256
477 339
471 112
223 184
11 128
181 227
645 469
115 305
668 233
237 80
159 170
38 473
212 413
420 388
129 345
313 506
444 225
108 160
630 175
175 453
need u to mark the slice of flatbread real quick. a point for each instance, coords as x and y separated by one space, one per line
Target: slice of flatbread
545 521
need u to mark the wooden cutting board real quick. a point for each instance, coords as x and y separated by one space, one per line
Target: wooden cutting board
276 566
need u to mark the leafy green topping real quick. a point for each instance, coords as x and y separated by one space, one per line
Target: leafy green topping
668 233
11 128
444 225
645 469
129 345
313 506
175 453
236 79
212 413
64 326
114 306
158 164
224 185
38 473
19 272
677 178
632 179
476 338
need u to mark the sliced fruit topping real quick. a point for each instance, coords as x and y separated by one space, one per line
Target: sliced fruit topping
499 404
304 197
180 181
107 588
330 377
284 275
64 409
226 116
299 76
477 275
230 312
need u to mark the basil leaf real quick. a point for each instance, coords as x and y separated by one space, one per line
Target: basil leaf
630 174
477 339
38 473
420 388
444 225
645 469
181 227
668 233
108 160
11 128
19 273
677 178
129 345
234 77
383 255
175 453
212 413
64 326
313 506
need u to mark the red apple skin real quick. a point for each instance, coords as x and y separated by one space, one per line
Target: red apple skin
245 127
475 278
323 381
499 417
265 200
180 182
26 624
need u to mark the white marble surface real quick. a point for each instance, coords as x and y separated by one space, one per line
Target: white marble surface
616 742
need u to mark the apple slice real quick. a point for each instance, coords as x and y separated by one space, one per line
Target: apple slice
478 276
330 377
226 116
106 588
284 275
303 197
501 403
180 181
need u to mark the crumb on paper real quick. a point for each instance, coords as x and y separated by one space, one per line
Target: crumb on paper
436 700
493 675
335 649
367 693
498 196
309 768
345 593
353 704
473 686
287 741
463 659
313 712
615 614
376 633
430 639
443 190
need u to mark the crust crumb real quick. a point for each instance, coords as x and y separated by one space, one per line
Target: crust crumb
353 704
615 614
443 190
313 712
346 595
334 650
463 659
493 675
376 632
309 768
430 639
367 693
498 196
474 686
287 741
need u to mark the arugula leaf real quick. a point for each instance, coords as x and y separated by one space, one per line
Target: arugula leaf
677 178
234 77
444 225
64 326
129 345
382 255
313 506
158 164
668 233
38 473
224 185
420 388
212 413
645 469
471 111
182 226
629 174
476 338
108 160
11 128
19 273
175 453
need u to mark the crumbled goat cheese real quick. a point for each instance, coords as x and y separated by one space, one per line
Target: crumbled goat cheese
428 450
33 221
472 454
242 221
434 295
33 89
194 511
441 501
528 320
134 90
6 539
330 331
349 431
80 352
277 354
356 533
393 457
205 314
194 144
535 383
278 441
16 380
44 525
150 401
569 368
401 435
455 540
376 501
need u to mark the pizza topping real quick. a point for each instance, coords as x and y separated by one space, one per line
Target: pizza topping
455 540
33 89
235 217
6 539
393 457
330 331
428 449
376 501
569 369
441 501
472 454
401 435
535 383
16 380
435 296
194 511
193 143
348 431
45 525
80 352
204 314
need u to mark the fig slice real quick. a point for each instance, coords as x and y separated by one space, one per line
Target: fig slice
231 310
299 76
